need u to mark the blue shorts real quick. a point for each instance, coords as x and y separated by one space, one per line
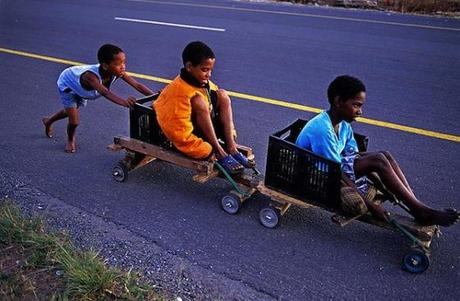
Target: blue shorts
71 100
348 169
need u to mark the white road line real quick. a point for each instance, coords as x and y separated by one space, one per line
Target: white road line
300 14
169 24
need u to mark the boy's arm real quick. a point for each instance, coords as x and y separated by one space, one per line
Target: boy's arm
137 85
351 144
91 80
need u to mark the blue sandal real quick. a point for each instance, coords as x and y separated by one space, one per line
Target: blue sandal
243 160
230 165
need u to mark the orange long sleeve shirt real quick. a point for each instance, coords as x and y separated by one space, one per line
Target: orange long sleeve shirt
174 114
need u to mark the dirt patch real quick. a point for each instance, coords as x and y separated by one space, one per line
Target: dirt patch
20 279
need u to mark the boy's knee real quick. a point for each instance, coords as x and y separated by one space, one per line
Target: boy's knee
381 161
222 93
74 121
199 105
388 155
223 98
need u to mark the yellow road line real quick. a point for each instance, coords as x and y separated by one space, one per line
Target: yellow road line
40 57
271 101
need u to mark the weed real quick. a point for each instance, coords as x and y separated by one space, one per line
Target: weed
30 257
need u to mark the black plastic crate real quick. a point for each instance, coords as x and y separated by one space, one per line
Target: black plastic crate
143 124
300 173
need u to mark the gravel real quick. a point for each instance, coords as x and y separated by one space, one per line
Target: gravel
165 270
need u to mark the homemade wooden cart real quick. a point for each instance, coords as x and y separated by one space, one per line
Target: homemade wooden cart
147 143
295 176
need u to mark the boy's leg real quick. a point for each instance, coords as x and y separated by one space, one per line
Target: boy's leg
398 170
224 107
72 113
395 166
202 120
379 164
48 121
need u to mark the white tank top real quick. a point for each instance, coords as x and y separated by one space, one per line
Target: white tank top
70 78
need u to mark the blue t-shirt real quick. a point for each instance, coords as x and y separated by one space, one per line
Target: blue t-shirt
319 136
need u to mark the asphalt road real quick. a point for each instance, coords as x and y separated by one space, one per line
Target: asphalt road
410 64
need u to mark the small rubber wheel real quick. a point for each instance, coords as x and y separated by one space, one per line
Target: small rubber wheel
416 261
269 217
231 203
120 172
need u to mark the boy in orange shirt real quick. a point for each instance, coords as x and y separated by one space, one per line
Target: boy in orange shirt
193 113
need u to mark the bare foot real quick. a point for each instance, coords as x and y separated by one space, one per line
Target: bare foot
48 129
444 218
70 147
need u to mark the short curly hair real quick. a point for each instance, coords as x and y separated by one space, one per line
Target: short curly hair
345 87
106 53
196 52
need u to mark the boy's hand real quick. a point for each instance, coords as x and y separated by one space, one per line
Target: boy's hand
130 101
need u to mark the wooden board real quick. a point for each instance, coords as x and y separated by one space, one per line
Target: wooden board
423 233
205 168
204 177
114 147
140 163
164 154
282 198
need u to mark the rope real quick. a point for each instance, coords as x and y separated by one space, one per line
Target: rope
230 179
408 234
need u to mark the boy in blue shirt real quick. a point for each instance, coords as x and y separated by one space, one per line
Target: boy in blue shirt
79 83
330 135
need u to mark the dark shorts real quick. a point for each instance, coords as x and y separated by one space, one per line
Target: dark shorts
71 100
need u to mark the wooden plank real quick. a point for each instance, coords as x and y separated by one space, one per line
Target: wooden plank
146 160
114 147
424 233
205 169
204 177
246 151
285 208
342 220
163 154
282 198
249 192
247 178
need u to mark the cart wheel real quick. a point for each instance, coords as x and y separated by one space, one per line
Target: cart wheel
231 203
416 261
120 172
269 217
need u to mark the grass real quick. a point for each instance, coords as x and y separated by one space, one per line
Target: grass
38 265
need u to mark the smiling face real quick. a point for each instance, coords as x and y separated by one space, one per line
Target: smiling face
351 108
117 66
201 72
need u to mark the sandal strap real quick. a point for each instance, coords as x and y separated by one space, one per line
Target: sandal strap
230 164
